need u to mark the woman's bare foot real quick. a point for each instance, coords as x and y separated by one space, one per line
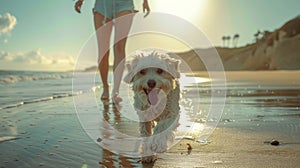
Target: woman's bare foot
105 94
116 98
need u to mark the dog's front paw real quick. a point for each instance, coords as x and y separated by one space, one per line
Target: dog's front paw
149 159
159 147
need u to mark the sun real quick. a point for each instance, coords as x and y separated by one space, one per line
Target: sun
188 9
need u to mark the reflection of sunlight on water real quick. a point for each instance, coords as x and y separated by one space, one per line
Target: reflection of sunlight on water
197 127
189 80
190 106
190 127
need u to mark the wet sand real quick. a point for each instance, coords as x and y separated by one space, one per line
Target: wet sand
234 148
273 78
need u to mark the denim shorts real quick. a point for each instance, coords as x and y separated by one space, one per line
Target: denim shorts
110 8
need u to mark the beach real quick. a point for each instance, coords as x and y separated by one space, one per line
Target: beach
260 106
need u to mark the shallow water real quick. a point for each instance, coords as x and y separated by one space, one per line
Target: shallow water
264 108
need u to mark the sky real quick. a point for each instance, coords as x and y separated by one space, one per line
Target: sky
48 35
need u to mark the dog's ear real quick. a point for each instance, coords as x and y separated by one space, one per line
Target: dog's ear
129 68
173 67
128 77
176 64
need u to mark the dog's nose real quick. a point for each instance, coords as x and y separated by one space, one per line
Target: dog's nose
151 83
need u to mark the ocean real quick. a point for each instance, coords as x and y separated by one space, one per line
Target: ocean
24 87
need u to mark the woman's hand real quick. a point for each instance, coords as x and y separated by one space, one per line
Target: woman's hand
78 5
146 8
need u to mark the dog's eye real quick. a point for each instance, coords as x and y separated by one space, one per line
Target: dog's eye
159 71
143 72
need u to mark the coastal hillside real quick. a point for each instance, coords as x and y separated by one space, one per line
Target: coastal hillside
277 50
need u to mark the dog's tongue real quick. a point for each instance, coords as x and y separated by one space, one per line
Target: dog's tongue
153 96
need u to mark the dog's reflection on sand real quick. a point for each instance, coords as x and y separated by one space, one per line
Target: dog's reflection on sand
111 114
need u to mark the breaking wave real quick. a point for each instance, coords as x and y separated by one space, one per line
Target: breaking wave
9 77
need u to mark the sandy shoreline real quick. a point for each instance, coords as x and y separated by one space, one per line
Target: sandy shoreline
288 78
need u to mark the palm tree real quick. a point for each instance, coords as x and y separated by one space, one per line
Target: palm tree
224 39
228 39
235 40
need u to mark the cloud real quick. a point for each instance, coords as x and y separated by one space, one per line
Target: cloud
4 55
7 23
36 57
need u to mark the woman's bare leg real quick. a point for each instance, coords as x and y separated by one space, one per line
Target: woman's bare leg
122 28
103 39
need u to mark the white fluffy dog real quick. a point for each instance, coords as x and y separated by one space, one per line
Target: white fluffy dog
156 89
